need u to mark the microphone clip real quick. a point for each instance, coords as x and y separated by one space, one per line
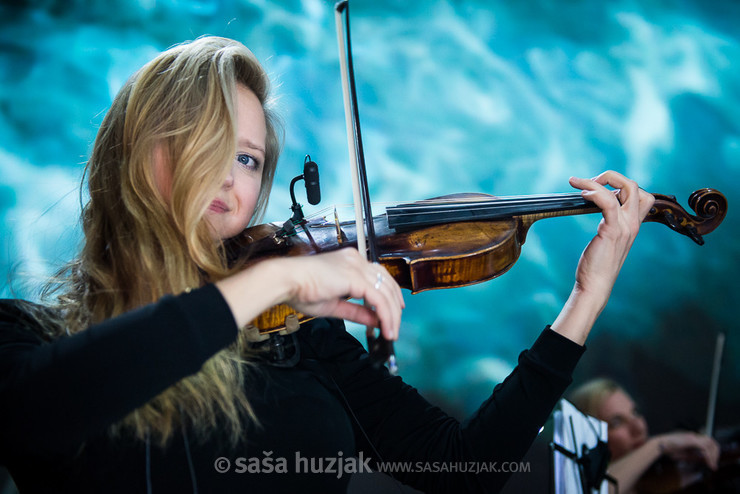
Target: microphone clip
313 193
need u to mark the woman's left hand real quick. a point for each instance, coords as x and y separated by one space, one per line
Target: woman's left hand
623 210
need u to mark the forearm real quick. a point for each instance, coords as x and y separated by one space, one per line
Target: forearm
579 315
404 427
319 286
601 261
263 285
65 390
628 469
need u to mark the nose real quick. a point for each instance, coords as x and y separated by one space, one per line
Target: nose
229 180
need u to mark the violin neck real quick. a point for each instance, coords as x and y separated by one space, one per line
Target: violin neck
710 206
474 208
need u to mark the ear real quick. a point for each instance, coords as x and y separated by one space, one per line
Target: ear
162 172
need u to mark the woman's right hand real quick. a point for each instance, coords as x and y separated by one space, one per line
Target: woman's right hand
319 286
628 469
688 445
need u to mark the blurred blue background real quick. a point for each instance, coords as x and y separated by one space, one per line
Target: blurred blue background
454 96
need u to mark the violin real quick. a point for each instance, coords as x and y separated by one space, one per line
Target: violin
450 241
690 475
669 476
446 242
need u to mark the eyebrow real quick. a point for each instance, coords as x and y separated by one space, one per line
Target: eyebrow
251 145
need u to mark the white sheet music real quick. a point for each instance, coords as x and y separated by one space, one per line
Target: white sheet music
570 424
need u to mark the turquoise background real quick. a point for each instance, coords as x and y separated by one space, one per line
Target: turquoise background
454 96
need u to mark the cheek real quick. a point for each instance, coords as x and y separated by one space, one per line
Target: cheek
248 194
642 427
620 442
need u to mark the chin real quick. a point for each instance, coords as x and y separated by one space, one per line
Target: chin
224 232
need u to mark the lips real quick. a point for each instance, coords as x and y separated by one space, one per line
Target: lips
218 206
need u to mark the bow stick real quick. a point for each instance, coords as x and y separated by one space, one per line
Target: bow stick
380 349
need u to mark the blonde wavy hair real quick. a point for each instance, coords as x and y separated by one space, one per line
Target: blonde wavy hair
590 396
139 246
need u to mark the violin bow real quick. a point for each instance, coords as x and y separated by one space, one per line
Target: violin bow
380 349
714 384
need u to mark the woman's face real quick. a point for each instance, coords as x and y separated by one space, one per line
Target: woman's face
234 205
627 428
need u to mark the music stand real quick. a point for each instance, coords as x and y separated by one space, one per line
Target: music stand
578 452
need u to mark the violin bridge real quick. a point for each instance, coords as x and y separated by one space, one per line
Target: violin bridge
340 240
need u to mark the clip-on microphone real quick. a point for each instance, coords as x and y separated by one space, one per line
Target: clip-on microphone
313 193
284 350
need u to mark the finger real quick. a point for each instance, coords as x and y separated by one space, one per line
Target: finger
646 203
370 283
373 283
711 452
387 286
386 305
697 444
390 283
629 195
357 313
397 301
708 458
602 197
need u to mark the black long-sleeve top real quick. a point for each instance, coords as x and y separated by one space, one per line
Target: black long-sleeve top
333 410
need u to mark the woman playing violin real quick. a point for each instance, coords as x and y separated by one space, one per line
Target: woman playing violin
134 376
632 450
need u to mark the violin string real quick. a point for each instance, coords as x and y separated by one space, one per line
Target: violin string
469 207
480 209
327 211
483 198
492 200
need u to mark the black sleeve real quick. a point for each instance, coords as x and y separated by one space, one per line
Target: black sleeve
404 427
55 395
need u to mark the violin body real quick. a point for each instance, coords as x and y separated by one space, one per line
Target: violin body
418 260
451 241
668 476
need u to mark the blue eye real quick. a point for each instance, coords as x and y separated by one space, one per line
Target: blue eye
247 161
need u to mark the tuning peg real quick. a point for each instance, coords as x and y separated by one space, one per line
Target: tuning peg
694 235
671 220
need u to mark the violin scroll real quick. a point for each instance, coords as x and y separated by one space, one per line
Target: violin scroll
710 206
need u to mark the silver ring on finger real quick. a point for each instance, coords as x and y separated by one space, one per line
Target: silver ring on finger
378 281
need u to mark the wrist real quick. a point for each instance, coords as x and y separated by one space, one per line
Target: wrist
596 299
254 290
579 314
657 445
276 278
